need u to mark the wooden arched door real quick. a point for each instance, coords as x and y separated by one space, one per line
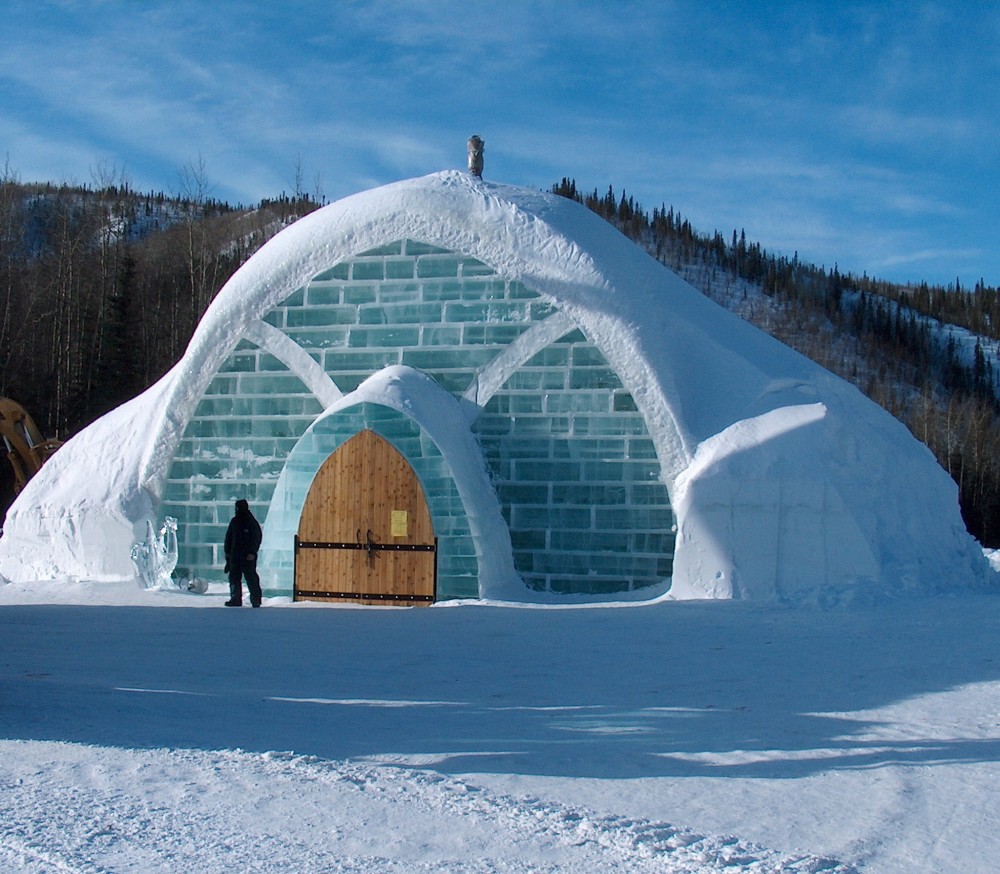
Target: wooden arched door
365 534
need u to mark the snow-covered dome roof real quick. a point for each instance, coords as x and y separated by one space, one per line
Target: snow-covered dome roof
785 480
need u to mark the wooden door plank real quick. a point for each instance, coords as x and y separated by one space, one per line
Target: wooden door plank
359 492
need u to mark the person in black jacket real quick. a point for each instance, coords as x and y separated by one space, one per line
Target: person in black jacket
242 544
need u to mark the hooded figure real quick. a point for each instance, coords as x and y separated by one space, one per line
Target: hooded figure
242 544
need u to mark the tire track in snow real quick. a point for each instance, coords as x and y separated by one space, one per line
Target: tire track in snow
20 857
93 810
630 840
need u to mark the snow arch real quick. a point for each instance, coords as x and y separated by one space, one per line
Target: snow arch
764 453
435 210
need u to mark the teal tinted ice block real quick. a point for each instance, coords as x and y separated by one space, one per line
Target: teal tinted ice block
568 450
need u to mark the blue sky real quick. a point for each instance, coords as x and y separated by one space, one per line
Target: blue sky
865 134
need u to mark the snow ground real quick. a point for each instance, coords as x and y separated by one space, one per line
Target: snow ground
671 737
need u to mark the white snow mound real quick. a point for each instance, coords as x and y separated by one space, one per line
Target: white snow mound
787 483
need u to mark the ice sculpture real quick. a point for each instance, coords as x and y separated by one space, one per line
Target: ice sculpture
156 557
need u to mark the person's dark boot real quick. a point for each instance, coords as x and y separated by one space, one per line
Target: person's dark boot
232 603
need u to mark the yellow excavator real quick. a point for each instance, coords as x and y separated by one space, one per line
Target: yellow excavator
27 449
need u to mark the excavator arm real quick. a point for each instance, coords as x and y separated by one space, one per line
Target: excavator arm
27 449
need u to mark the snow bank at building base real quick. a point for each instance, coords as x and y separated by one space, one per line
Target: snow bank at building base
769 510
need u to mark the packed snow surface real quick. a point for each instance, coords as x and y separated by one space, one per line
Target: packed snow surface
676 737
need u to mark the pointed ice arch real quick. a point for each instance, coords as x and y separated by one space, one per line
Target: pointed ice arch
425 424
785 481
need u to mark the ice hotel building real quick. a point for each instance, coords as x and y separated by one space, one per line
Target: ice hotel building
448 388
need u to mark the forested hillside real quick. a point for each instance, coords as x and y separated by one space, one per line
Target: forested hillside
893 342
101 288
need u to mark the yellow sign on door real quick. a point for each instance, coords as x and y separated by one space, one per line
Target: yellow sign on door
398 523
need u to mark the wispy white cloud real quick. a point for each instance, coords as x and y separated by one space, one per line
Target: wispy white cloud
889 125
34 154
817 130
924 255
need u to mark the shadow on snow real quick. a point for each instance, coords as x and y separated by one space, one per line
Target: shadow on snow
700 689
